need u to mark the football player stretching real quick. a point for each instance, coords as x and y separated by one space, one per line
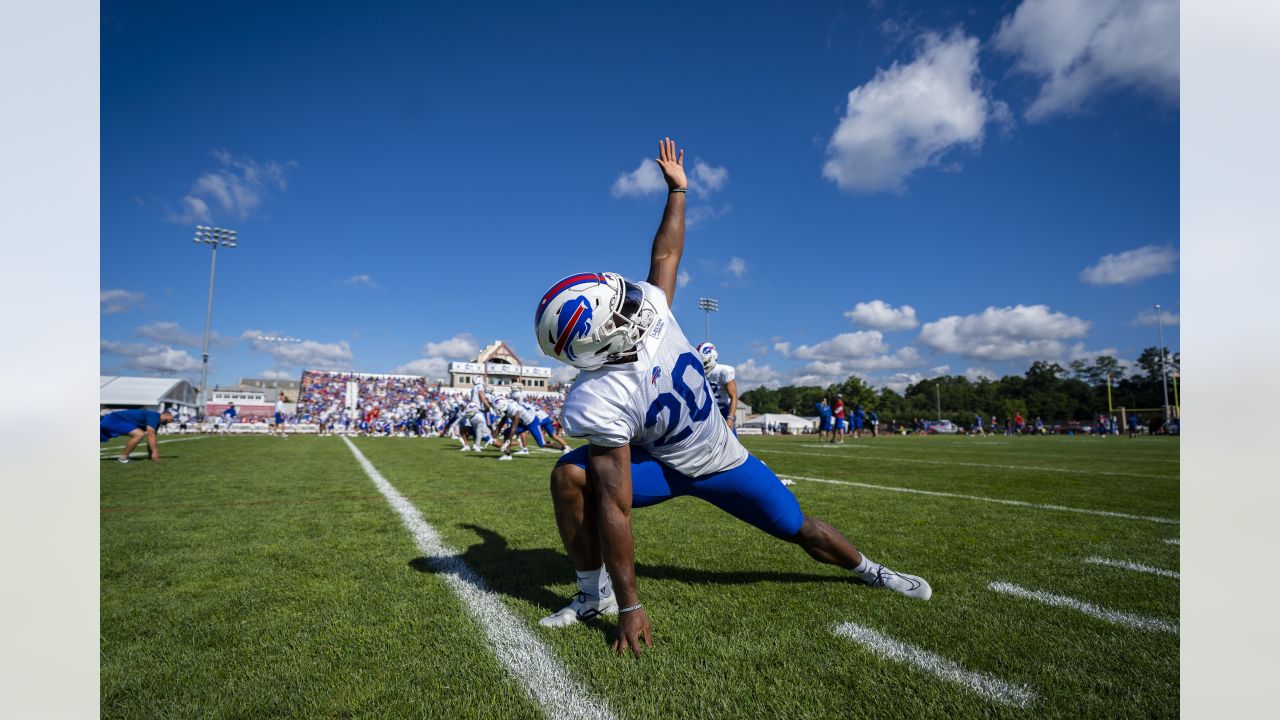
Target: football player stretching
643 403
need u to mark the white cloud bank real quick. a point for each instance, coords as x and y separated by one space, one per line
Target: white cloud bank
308 354
111 302
151 358
908 117
1082 47
1148 317
1131 266
880 315
1007 333
646 179
235 189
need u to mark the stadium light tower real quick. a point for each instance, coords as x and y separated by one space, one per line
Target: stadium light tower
213 237
709 305
1164 372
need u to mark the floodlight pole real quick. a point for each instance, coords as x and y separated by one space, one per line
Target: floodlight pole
1164 372
213 237
708 305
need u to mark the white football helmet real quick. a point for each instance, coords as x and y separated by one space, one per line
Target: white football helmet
707 353
500 405
589 318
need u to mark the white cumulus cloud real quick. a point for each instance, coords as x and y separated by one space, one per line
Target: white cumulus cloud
845 345
234 189
880 315
151 358
751 374
908 117
432 367
168 332
111 302
308 354
461 346
704 179
707 179
1148 317
361 280
646 179
1006 333
682 278
1081 47
737 267
1131 266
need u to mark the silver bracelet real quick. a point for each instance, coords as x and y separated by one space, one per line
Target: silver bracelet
629 609
676 190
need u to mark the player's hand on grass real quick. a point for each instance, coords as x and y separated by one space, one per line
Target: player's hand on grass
632 626
672 164
155 457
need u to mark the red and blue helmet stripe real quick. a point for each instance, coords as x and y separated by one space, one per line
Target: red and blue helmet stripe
558 287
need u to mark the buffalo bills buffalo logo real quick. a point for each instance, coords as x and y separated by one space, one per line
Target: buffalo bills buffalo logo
574 322
653 378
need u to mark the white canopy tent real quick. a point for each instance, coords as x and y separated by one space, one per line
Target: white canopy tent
784 422
117 392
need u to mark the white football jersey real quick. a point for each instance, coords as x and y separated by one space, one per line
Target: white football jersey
719 377
475 394
519 412
661 402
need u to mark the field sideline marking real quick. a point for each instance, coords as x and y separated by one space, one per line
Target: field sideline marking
1136 567
113 449
1001 501
984 684
1114 617
984 465
520 651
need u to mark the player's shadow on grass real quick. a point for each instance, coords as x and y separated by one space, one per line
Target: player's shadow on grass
528 574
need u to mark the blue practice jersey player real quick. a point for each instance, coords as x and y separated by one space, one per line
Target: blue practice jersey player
643 404
135 425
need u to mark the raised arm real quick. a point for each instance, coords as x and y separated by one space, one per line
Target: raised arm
668 244
609 471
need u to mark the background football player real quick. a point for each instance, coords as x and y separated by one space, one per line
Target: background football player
723 382
642 402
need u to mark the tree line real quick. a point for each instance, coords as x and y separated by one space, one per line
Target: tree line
1077 392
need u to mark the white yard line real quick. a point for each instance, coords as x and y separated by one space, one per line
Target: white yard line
1174 541
1136 567
520 651
1034 468
1115 617
115 448
1000 501
984 684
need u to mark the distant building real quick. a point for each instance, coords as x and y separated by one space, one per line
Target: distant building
254 397
499 366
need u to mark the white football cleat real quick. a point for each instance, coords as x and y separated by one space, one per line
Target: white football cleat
581 610
505 445
522 451
476 448
785 481
912 586
505 457
566 450
122 459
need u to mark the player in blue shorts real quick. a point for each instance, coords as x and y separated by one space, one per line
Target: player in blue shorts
643 403
136 425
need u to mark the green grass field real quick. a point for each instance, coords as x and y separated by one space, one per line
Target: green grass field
252 577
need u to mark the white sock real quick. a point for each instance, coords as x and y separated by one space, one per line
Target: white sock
594 584
867 569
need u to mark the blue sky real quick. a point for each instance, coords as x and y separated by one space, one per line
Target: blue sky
406 182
